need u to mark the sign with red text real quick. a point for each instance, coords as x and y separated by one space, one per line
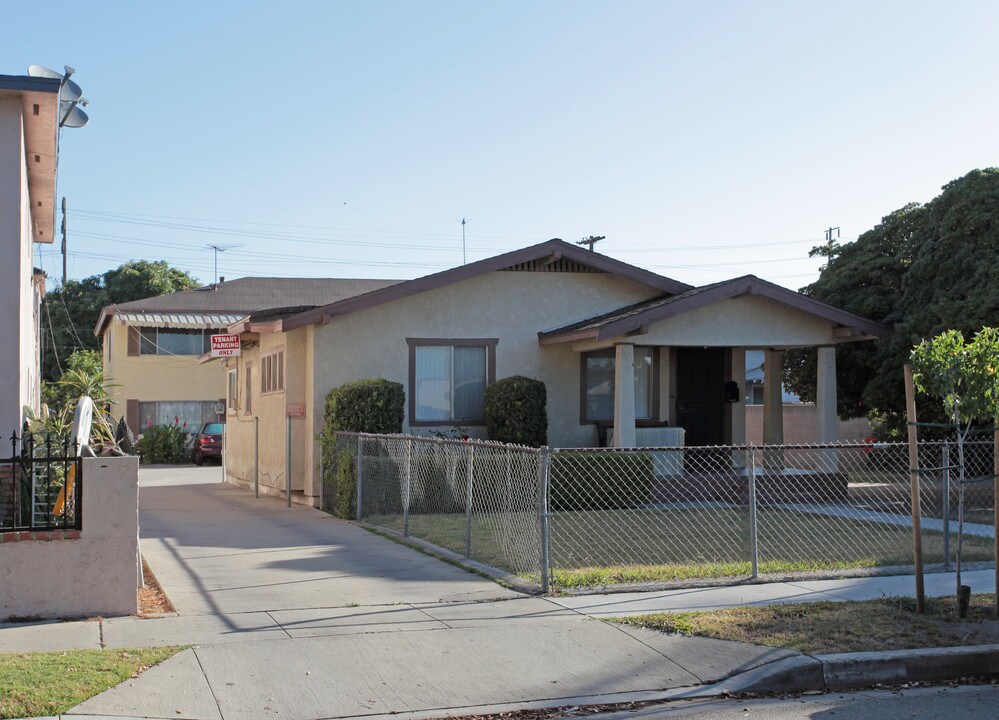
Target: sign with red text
225 345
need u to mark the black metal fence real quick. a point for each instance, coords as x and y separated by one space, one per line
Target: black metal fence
41 485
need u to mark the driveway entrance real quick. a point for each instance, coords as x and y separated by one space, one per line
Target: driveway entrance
217 550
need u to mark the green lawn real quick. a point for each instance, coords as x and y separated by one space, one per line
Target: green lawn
49 683
619 546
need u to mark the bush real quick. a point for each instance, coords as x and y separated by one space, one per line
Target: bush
367 406
599 480
516 411
346 485
164 444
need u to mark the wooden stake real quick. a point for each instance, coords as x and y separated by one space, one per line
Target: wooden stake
917 530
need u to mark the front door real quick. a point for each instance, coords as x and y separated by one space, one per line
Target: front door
700 395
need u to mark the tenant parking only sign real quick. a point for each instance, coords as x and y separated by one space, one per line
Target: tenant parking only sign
225 345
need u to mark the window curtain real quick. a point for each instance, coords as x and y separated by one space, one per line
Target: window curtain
469 383
433 382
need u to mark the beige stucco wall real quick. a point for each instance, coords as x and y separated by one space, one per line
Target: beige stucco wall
156 377
510 306
271 411
749 321
94 575
801 425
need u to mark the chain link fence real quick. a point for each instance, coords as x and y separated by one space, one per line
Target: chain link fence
586 518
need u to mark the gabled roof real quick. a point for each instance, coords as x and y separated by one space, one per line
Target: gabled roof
247 295
552 250
40 117
634 317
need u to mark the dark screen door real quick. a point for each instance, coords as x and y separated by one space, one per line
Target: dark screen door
700 395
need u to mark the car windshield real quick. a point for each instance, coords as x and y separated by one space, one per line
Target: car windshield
214 428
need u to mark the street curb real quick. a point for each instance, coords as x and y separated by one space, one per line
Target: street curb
840 671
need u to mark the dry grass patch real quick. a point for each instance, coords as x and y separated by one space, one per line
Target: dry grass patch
890 623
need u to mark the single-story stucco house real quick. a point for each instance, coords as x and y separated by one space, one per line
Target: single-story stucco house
621 350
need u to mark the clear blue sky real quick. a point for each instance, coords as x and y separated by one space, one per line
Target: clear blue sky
706 140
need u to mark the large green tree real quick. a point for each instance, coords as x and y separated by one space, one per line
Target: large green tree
923 269
71 311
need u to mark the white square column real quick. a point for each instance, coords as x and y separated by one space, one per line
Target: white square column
773 398
825 396
624 395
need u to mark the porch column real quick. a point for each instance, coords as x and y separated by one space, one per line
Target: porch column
738 409
624 395
825 396
773 398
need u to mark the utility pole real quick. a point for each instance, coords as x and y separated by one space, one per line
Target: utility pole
64 241
829 236
464 261
591 241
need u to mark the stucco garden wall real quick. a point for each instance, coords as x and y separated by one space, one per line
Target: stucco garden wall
93 574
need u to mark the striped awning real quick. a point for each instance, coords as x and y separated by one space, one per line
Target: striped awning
178 320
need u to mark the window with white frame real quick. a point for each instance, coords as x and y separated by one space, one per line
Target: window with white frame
448 380
174 341
272 372
233 389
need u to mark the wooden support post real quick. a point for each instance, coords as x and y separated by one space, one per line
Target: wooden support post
917 530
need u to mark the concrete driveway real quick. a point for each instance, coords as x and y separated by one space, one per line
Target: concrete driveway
218 550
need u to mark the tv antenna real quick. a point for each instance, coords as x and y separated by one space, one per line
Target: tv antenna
70 96
591 241
220 248
464 261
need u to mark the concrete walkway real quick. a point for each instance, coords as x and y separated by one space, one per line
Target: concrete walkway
296 614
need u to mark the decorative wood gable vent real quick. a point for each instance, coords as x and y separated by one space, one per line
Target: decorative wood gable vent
547 265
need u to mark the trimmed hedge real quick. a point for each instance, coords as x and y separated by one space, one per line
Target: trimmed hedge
600 480
367 406
346 486
516 411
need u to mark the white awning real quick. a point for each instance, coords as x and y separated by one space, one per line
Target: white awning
177 320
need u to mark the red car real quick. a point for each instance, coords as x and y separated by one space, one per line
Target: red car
208 443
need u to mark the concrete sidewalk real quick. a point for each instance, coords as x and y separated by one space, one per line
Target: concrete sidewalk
295 614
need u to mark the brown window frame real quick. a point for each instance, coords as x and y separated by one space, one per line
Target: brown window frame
248 383
639 422
272 372
488 343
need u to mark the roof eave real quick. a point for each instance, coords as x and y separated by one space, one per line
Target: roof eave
534 252
41 147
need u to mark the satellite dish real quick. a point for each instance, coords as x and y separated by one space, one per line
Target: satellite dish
75 117
69 91
82 420
41 71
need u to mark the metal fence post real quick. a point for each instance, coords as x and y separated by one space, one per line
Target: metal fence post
360 474
754 545
256 457
407 480
544 473
287 464
469 470
946 504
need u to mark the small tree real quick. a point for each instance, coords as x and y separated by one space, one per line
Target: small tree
965 376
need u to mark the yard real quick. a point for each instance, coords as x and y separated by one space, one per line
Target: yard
622 546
